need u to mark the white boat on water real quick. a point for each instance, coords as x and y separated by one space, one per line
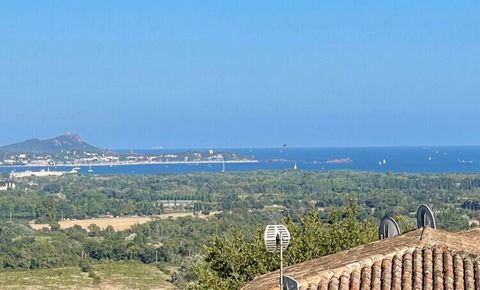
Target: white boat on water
295 166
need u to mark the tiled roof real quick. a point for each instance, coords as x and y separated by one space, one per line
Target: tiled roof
421 259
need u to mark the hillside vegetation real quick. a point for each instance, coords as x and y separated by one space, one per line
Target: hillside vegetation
320 208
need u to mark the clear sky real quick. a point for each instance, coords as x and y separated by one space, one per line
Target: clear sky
138 74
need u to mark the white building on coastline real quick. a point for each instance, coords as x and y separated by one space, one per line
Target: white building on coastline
4 186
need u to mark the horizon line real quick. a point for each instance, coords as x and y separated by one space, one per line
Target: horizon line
295 147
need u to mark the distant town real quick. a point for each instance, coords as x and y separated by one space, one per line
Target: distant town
71 150
74 158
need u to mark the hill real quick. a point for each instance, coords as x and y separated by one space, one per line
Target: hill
67 142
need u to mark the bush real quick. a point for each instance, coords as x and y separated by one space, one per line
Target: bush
54 226
95 278
85 266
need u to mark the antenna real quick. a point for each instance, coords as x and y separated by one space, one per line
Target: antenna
388 228
277 239
425 217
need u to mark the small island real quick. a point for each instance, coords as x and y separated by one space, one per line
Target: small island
339 161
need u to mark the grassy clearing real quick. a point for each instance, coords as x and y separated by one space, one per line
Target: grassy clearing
114 275
120 223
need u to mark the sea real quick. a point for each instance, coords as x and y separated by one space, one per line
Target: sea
374 159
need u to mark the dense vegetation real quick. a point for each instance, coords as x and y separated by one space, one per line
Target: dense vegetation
308 202
74 197
228 262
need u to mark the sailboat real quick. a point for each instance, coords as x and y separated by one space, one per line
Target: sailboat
223 165
90 168
295 166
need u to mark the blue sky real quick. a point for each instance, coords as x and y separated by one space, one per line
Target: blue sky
137 74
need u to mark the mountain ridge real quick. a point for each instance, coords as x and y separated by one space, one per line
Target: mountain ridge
66 142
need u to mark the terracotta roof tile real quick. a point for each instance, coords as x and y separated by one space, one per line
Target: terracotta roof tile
355 280
438 270
421 259
448 273
397 273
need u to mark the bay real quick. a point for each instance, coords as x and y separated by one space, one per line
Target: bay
378 159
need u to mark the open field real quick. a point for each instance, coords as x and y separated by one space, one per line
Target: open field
120 223
114 275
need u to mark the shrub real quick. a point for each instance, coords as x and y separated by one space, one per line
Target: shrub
95 278
85 266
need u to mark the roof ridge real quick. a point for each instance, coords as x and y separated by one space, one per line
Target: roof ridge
365 262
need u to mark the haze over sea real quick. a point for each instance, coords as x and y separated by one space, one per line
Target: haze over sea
377 159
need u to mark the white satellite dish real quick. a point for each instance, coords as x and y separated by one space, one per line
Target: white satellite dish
277 239
425 217
388 228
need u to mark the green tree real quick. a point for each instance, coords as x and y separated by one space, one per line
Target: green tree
230 261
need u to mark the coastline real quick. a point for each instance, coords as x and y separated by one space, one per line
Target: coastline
131 163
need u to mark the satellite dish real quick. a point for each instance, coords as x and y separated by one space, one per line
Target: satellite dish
425 217
276 238
289 283
388 228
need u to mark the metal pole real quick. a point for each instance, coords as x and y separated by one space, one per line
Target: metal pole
281 264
